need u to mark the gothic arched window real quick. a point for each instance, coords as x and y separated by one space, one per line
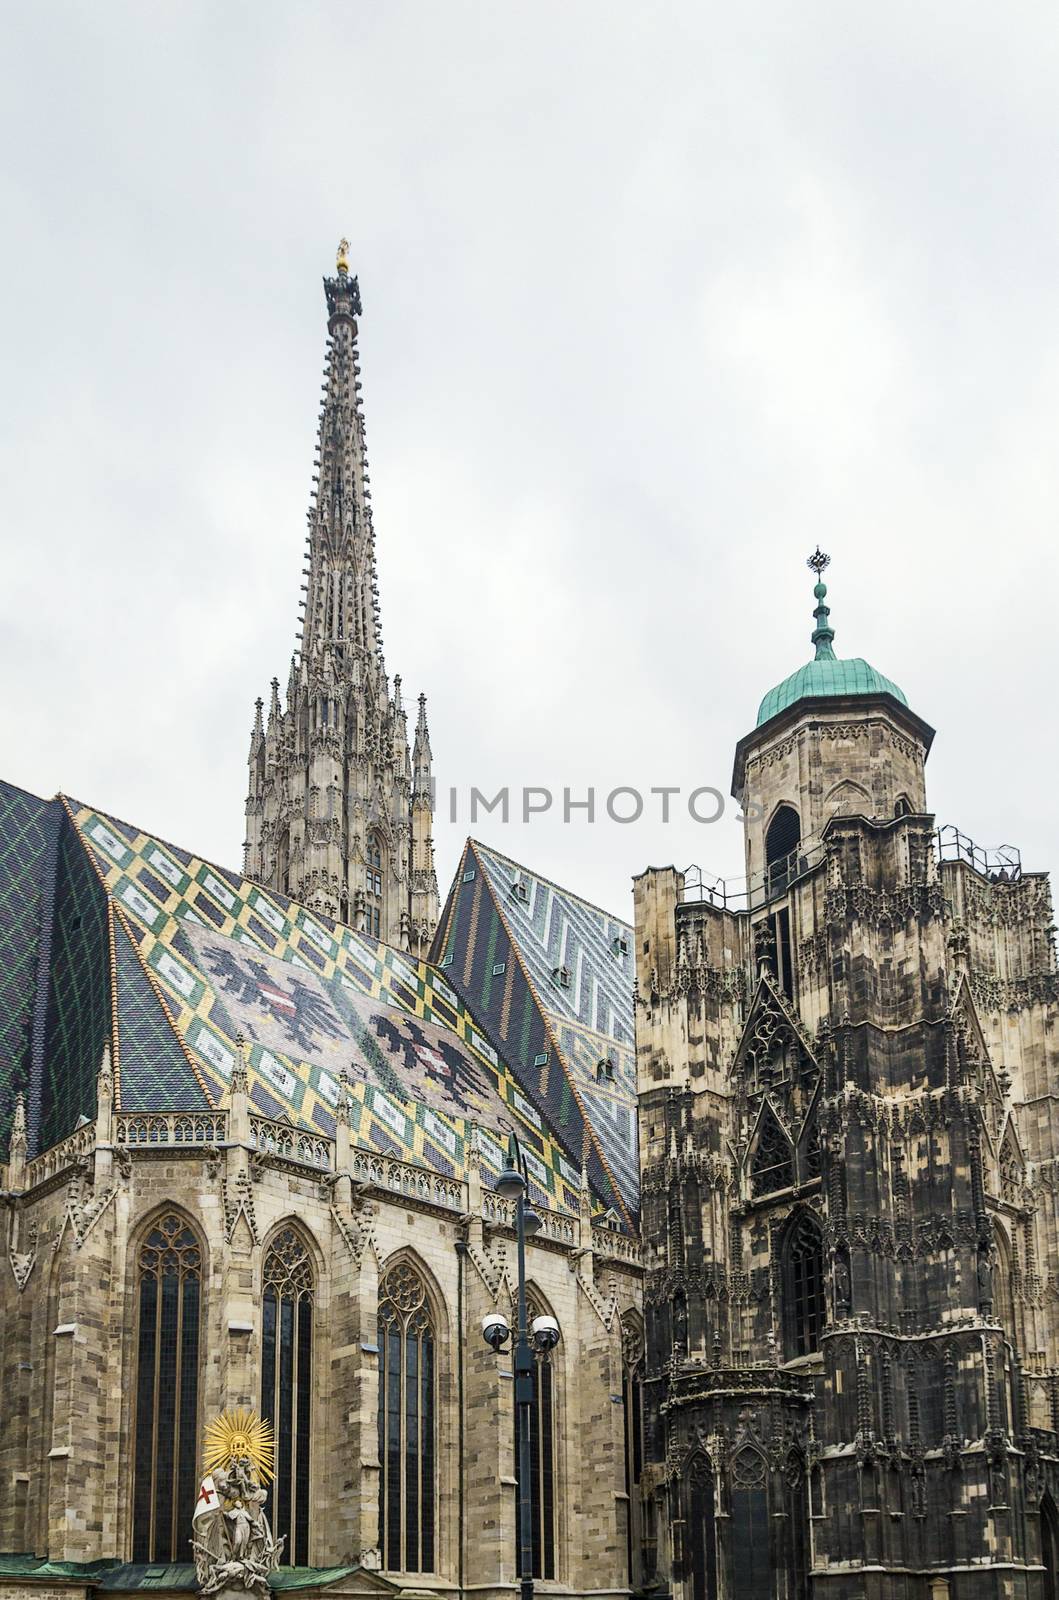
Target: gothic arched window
373 886
1050 1548
796 1529
772 1164
781 840
632 1350
1003 1300
407 1407
542 1457
804 1306
286 1385
701 1529
750 1557
169 1289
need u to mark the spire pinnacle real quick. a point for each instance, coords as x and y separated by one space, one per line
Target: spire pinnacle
342 257
823 633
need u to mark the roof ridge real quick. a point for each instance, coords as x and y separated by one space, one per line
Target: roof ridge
69 801
449 911
115 1046
586 1120
570 893
94 864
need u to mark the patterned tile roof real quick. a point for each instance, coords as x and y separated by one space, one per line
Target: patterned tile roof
29 837
551 977
172 959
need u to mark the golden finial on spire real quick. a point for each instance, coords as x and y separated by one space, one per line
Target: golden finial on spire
342 259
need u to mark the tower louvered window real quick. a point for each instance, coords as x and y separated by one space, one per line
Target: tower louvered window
373 887
542 1458
286 1386
781 841
167 1368
803 1285
407 1407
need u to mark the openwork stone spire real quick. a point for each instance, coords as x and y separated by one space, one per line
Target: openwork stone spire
333 816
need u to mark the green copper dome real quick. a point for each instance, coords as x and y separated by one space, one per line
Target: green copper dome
826 675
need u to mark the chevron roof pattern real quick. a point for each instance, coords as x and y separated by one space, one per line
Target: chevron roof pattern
551 977
127 939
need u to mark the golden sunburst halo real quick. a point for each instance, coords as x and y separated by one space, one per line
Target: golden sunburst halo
236 1434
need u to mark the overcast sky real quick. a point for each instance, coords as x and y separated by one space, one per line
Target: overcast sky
656 297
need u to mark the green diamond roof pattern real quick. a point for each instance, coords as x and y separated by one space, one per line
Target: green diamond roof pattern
202 955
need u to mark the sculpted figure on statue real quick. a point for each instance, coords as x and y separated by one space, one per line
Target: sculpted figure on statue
233 1543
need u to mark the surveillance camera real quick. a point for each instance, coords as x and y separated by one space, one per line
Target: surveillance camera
495 1330
545 1331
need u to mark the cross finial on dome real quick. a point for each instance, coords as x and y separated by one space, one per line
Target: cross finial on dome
823 633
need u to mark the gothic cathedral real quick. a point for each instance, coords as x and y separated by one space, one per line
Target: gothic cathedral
790 1144
848 1143
338 814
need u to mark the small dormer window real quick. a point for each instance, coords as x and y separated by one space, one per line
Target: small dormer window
605 1070
541 1060
519 891
498 968
620 945
470 875
561 976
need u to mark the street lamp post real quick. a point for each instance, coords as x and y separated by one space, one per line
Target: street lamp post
513 1184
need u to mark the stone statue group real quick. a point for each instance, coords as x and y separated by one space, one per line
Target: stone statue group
233 1543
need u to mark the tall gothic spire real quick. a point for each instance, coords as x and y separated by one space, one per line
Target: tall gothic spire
334 817
340 607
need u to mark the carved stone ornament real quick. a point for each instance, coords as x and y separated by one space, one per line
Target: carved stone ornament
231 1537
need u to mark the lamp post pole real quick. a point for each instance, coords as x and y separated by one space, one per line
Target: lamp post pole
524 1379
513 1185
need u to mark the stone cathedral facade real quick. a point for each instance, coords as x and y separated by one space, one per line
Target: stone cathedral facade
848 1141
339 814
792 1142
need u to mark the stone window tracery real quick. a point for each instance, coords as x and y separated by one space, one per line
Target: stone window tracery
169 1292
701 1526
750 1570
771 1166
288 1286
407 1422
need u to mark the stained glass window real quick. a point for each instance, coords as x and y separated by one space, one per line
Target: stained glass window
542 1457
286 1386
167 1373
803 1285
407 1451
